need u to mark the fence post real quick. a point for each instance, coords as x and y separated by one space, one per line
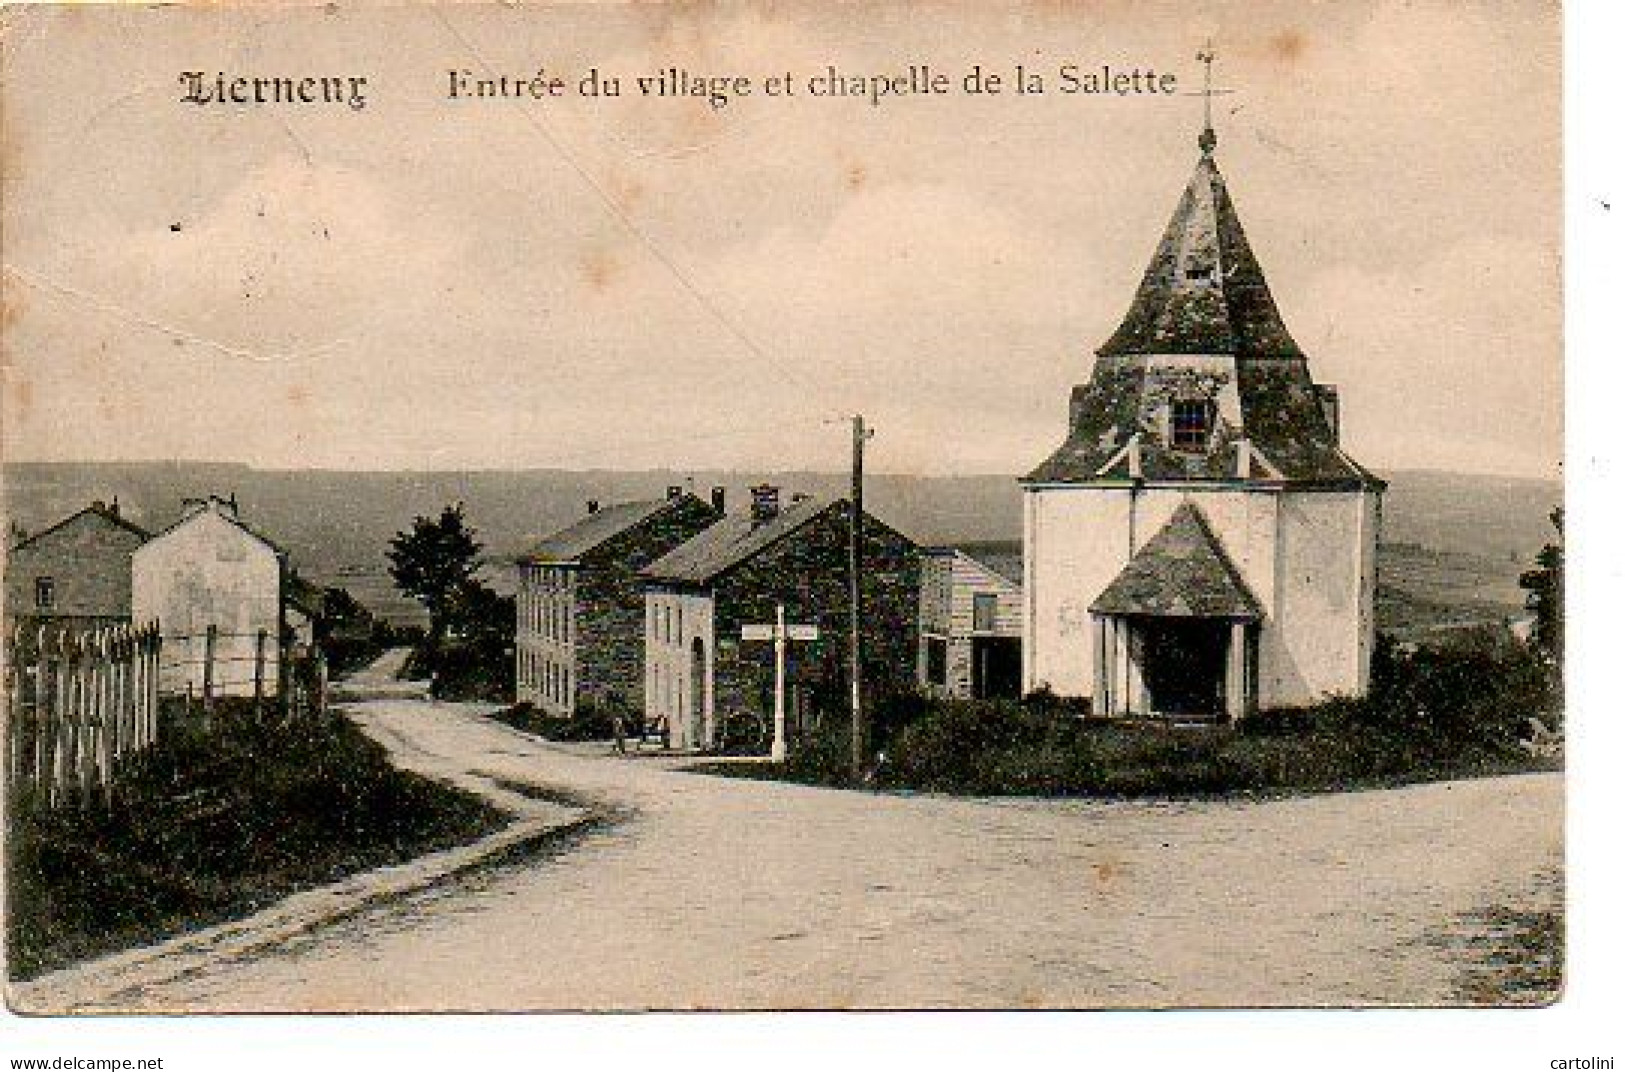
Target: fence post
138 688
260 639
44 712
155 654
16 681
209 639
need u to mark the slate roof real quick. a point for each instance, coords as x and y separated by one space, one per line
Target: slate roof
95 510
570 543
1204 292
1003 564
1182 572
732 540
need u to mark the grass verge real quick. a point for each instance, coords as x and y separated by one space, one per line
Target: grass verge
212 825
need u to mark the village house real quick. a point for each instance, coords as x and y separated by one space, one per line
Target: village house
579 637
738 572
1201 546
970 624
231 611
74 575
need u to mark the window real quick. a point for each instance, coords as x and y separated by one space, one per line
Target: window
984 612
1190 422
44 592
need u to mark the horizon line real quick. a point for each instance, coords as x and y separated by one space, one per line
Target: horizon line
1557 478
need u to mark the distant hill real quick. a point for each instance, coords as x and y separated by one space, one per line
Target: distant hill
337 524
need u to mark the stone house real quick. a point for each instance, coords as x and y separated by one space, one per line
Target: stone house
970 624
210 570
1201 546
579 635
700 674
75 574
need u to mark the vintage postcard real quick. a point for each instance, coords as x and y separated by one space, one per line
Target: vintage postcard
775 506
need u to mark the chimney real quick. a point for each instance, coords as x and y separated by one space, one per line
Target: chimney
674 491
1326 395
98 505
719 499
592 506
764 503
112 507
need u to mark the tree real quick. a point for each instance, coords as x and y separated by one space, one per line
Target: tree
433 563
1544 585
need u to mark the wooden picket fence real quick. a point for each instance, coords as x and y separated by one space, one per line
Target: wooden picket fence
76 702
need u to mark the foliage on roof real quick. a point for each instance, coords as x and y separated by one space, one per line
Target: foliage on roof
1204 292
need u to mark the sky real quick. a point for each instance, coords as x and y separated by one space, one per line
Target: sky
630 283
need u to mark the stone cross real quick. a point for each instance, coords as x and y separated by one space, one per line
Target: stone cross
781 635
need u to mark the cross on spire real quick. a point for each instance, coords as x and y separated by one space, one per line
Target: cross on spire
1207 139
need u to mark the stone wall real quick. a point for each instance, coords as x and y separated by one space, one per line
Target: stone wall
807 572
609 611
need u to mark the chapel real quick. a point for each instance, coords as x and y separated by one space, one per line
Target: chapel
1200 547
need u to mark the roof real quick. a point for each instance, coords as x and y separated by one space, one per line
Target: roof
570 543
306 597
1181 572
1006 565
1204 292
225 513
96 510
731 541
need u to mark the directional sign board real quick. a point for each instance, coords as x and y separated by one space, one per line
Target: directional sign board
802 632
756 632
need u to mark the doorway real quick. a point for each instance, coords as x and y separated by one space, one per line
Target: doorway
995 664
698 735
1183 663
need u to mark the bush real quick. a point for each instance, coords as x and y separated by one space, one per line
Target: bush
1431 713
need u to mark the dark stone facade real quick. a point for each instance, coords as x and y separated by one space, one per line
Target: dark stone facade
608 610
807 572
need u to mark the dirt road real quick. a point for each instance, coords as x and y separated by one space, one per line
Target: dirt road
721 893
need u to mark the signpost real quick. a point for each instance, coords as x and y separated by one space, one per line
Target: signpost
781 635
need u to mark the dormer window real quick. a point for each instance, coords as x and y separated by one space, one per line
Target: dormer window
1190 424
1199 271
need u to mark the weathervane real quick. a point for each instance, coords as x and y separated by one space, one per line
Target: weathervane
1207 140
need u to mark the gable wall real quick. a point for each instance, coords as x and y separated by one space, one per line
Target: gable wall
88 561
1308 557
207 571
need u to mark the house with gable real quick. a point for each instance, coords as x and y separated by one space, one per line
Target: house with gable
579 635
1201 546
229 605
970 623
700 673
74 575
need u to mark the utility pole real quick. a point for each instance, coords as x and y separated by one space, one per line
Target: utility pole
854 562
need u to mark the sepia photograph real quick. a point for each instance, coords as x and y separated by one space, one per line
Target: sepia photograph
767 507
